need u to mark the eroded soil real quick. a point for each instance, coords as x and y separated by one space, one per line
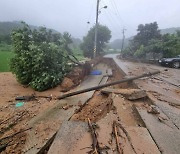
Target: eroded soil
14 119
103 110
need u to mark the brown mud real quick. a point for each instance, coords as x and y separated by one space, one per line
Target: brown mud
14 119
100 109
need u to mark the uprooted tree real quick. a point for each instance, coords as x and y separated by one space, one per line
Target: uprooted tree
104 35
41 57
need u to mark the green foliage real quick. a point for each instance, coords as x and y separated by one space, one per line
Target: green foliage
68 41
40 57
149 40
178 33
127 52
5 47
78 53
140 52
169 30
154 46
104 35
5 55
171 45
146 33
5 39
5 58
76 43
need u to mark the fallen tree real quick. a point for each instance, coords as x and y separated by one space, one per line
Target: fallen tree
41 57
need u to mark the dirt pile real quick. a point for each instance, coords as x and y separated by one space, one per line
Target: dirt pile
95 109
67 83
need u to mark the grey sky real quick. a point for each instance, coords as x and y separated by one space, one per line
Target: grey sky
72 15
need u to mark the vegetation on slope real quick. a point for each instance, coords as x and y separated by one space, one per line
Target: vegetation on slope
150 40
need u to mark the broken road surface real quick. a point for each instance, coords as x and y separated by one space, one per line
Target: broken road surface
131 118
164 93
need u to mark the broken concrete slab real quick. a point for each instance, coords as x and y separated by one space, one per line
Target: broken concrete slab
142 141
109 72
124 110
130 94
164 133
171 112
35 141
106 138
138 136
104 80
71 138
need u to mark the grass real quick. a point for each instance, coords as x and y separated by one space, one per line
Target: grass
5 55
78 53
5 47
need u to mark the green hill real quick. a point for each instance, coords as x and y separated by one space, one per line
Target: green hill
7 27
169 30
117 44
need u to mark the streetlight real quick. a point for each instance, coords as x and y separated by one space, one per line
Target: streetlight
104 7
98 11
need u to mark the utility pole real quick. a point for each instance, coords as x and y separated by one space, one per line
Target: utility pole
96 28
123 39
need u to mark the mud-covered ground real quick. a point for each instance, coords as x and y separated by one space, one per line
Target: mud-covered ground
165 85
105 111
102 109
14 119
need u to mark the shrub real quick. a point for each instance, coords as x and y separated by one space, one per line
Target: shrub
40 58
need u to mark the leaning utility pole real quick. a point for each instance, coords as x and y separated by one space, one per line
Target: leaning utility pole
96 28
123 31
107 85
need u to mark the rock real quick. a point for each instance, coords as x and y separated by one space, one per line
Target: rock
66 107
67 83
130 94
153 110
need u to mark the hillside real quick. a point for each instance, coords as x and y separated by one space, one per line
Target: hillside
169 30
7 27
117 44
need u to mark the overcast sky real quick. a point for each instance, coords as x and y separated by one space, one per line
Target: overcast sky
73 15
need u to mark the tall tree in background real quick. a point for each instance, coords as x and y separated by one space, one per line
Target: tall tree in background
171 44
104 35
148 39
146 33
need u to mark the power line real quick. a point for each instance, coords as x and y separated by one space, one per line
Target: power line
117 11
113 8
109 18
118 14
90 15
113 17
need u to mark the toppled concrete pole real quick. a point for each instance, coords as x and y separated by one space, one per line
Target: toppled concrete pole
107 85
